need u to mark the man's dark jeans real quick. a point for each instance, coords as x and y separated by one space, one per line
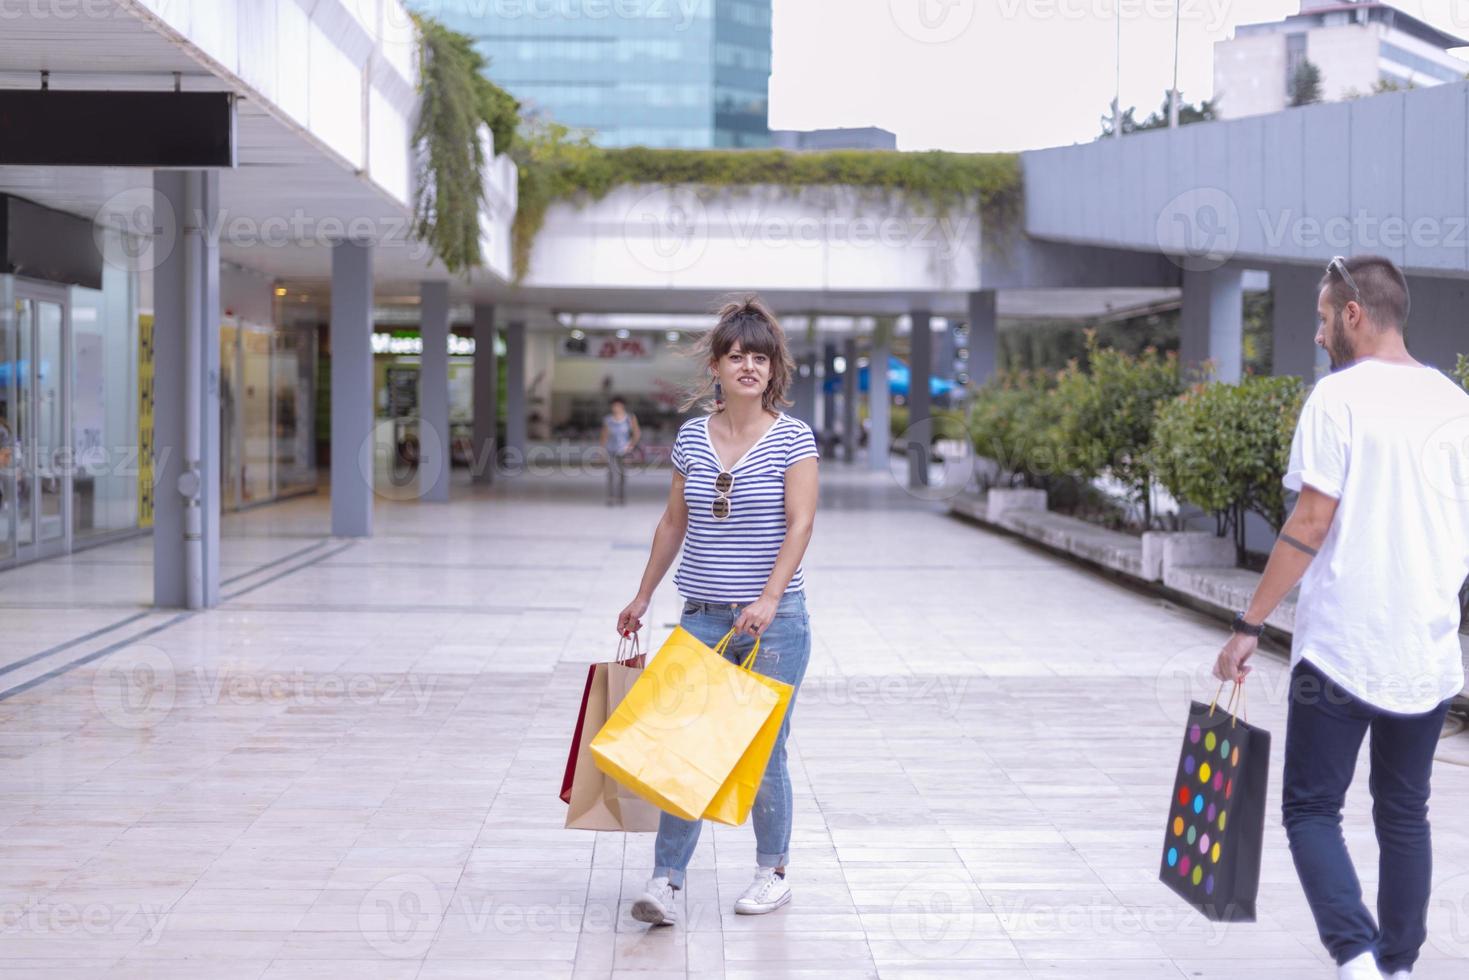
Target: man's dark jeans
1323 737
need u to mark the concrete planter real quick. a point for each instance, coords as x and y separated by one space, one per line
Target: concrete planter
1001 502
1165 550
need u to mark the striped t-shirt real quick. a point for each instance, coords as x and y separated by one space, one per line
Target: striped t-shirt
731 560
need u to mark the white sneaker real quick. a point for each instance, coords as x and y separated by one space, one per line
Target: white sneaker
766 893
656 905
1363 967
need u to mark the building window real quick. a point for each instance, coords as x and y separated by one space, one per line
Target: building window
1295 56
1419 65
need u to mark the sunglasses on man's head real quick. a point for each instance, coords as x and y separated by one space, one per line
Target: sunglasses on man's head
1338 266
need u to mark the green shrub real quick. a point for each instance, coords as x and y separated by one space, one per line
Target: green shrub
950 423
1461 371
1013 420
559 164
1224 448
1107 416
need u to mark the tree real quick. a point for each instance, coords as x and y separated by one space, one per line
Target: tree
1224 448
1107 414
1206 111
1385 85
1305 85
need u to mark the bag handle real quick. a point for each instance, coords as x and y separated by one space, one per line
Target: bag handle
1239 692
622 643
749 661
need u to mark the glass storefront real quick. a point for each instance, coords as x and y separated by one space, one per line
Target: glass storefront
7 422
396 394
36 447
266 407
76 418
104 407
69 439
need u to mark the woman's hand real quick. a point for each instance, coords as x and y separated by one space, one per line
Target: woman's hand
630 620
756 616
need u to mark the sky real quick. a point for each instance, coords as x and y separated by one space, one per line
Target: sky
984 75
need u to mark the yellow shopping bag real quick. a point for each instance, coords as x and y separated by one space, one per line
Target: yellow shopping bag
732 803
686 725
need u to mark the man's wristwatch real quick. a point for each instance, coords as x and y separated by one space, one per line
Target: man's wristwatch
1248 629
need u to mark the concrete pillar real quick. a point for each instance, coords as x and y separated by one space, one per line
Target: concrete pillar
515 407
486 378
828 397
851 427
352 460
1212 326
803 388
920 370
879 405
1435 332
1294 291
434 463
984 336
186 396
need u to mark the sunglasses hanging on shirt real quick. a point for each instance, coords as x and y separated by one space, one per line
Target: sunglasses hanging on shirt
719 506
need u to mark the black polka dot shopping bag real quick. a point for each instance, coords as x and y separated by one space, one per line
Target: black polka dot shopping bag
1216 820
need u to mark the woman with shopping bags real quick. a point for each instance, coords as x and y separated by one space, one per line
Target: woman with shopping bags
741 507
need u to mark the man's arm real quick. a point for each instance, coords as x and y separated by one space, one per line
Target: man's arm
1304 533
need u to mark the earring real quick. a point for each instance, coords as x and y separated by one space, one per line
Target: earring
718 395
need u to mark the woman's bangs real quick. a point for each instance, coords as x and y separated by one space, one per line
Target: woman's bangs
751 333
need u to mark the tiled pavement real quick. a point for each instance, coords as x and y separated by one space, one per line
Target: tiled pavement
350 768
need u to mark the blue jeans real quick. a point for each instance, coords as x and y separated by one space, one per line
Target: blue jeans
785 649
1323 735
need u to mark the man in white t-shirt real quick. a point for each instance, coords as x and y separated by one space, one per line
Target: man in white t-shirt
1379 542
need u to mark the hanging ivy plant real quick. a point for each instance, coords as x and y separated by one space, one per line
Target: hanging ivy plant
455 99
558 164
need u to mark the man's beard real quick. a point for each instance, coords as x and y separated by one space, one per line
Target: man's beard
1338 347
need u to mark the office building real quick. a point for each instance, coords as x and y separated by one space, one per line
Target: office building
854 138
676 74
1358 46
